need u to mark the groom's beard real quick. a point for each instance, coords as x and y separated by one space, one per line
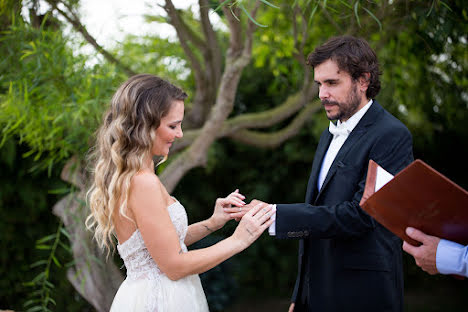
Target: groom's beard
346 109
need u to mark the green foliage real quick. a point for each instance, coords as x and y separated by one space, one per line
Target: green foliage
160 56
25 216
424 82
50 98
41 299
241 5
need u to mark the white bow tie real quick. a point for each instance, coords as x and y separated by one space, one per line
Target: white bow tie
338 130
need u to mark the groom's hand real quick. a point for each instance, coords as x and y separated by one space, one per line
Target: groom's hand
238 213
291 307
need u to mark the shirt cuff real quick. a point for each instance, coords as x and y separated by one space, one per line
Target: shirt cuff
451 258
272 228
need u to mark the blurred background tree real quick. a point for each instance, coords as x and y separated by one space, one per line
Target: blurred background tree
252 123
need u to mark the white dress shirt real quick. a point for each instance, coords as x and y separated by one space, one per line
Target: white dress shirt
340 133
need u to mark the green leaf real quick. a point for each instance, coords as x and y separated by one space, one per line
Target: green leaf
37 293
221 5
28 284
250 17
312 13
65 232
46 239
49 284
38 277
30 302
59 191
51 300
431 8
57 263
272 5
38 263
356 6
233 14
374 17
65 247
446 5
346 4
43 247
34 309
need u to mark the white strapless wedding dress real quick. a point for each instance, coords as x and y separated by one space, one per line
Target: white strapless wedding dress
146 288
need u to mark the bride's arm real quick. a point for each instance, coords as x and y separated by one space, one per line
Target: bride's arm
161 238
199 230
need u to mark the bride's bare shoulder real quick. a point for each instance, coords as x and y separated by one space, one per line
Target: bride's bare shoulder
145 179
146 193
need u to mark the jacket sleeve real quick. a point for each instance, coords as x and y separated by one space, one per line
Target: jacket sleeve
393 151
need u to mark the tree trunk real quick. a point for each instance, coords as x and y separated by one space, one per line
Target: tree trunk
93 276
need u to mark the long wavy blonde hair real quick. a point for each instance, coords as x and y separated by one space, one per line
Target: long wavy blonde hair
123 141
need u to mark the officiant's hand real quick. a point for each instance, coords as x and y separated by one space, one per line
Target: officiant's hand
424 255
233 201
238 213
253 224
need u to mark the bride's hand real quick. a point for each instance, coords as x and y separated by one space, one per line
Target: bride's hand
237 213
220 215
253 224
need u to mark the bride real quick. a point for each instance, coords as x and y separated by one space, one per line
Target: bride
129 201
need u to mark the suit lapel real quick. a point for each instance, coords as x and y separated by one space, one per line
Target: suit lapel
361 129
317 164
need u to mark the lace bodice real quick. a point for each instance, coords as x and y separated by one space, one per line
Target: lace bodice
146 288
136 256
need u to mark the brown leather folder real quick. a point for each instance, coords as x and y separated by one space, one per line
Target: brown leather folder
419 197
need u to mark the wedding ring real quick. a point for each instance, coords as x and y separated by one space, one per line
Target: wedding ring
240 209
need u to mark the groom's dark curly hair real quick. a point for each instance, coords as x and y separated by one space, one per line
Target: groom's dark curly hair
353 55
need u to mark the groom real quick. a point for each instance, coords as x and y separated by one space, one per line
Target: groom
347 261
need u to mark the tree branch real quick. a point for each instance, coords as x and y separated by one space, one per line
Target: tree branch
213 51
195 155
299 46
273 116
251 25
205 93
184 38
258 120
235 40
96 279
73 19
274 139
247 51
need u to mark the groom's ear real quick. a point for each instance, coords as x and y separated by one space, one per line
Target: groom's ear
363 82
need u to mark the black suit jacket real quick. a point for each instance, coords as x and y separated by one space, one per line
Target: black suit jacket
348 261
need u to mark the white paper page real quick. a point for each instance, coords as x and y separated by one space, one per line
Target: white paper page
382 178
